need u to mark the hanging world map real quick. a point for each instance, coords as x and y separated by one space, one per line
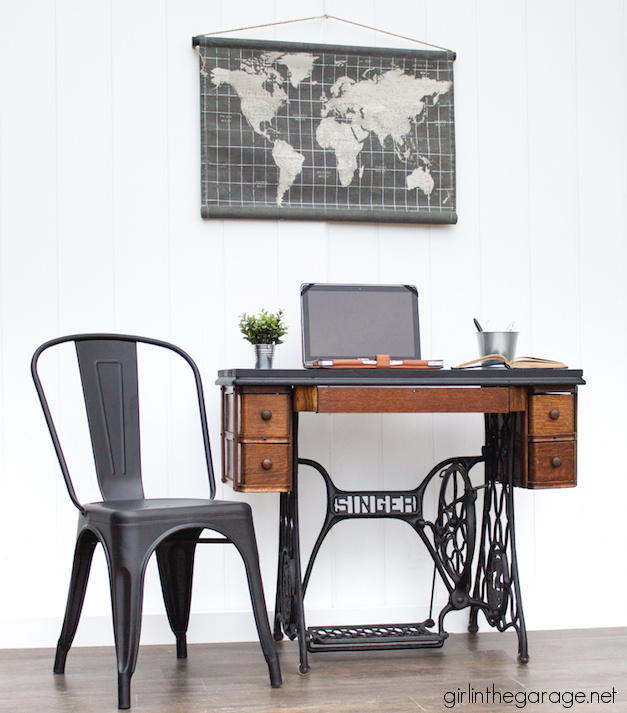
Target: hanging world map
326 132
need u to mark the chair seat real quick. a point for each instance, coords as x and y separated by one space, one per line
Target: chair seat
180 510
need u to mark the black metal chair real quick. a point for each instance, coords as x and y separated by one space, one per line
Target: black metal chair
129 526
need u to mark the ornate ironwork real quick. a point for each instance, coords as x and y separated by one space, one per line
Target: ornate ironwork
498 582
454 528
450 537
360 638
285 619
497 587
289 613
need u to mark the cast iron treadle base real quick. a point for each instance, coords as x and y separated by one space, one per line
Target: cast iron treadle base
381 636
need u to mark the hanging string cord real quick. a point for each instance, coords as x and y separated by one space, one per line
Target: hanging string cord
327 17
202 61
269 24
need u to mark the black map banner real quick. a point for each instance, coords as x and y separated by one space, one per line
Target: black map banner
324 132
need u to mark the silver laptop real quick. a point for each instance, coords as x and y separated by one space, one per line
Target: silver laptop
346 323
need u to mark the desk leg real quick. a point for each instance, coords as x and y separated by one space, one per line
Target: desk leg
289 614
497 584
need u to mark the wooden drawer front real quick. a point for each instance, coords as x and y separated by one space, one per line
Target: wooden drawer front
552 415
552 465
402 399
265 415
265 467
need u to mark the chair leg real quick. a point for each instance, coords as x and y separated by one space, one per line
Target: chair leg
126 576
83 555
175 559
242 535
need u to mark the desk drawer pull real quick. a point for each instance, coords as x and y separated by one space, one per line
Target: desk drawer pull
556 462
266 464
266 415
555 414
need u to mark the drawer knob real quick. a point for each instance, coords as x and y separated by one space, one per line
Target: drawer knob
266 415
266 464
555 414
556 462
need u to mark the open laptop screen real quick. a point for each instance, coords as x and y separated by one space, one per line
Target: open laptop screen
359 321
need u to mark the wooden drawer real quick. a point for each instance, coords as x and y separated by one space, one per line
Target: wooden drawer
552 415
550 460
552 465
264 467
257 439
265 415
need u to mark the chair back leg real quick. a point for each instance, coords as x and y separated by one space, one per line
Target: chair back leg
175 559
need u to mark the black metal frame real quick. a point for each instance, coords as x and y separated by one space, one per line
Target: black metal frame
451 540
496 581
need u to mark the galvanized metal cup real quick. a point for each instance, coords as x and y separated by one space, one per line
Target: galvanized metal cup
503 343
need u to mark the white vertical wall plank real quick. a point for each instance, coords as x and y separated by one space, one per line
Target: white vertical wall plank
601 226
28 297
139 97
85 155
503 161
553 195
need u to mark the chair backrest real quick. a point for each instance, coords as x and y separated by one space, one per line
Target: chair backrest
109 377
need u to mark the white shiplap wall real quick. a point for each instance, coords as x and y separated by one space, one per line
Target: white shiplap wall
100 230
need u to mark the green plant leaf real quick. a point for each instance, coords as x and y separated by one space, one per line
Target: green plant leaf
264 328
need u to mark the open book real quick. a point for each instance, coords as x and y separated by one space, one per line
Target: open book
518 363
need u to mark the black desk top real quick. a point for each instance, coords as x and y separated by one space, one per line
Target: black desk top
487 376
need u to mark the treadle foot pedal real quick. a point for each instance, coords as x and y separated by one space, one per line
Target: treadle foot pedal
364 638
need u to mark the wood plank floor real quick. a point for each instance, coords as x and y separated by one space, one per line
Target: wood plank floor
226 678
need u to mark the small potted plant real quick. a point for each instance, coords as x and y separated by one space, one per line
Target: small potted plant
263 331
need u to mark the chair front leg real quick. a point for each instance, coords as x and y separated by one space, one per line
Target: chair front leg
83 555
127 563
241 532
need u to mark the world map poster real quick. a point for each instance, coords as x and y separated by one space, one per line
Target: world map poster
325 132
